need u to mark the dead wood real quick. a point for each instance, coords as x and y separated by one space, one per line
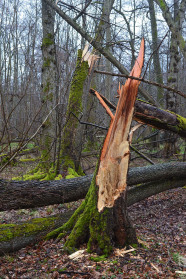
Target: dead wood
41 226
30 194
16 236
158 118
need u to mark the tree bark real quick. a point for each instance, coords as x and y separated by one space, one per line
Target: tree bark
30 194
155 117
49 94
159 118
71 139
107 54
102 219
171 23
20 235
16 236
155 51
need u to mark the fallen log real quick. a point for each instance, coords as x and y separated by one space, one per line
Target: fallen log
156 117
16 236
30 194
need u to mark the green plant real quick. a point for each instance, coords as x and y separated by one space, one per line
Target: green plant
179 259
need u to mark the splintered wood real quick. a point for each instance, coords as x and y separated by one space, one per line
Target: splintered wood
114 159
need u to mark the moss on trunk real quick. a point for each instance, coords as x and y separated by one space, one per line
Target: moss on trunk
87 225
68 154
98 229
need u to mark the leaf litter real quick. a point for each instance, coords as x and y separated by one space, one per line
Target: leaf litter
159 223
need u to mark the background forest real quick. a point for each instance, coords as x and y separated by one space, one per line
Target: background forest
55 56
35 92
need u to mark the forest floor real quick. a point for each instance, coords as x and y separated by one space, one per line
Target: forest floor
159 223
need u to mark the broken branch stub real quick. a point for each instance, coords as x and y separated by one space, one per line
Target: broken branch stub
114 159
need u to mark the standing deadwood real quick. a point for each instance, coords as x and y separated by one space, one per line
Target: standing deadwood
174 26
96 44
102 219
68 154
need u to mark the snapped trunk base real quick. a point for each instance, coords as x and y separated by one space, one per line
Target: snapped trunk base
100 230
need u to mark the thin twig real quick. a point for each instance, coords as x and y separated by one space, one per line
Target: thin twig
143 80
21 147
88 123
142 155
154 52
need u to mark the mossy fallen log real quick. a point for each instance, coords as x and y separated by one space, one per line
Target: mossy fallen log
30 194
16 236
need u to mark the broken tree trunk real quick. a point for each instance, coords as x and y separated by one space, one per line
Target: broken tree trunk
20 235
102 218
30 194
156 117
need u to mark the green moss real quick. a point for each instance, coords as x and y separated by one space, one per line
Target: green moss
39 174
29 160
71 173
76 89
46 63
98 259
182 122
75 106
10 231
63 230
162 5
45 90
182 45
87 223
58 177
48 40
171 79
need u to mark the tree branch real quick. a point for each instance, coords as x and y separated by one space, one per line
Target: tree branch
106 53
158 118
143 80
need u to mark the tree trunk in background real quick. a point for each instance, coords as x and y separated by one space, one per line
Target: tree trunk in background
49 96
102 36
68 155
72 141
173 23
171 98
155 51
108 65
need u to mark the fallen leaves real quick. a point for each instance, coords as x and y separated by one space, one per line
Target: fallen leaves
159 255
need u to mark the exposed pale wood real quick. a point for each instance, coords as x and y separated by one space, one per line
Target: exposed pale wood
112 173
156 117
